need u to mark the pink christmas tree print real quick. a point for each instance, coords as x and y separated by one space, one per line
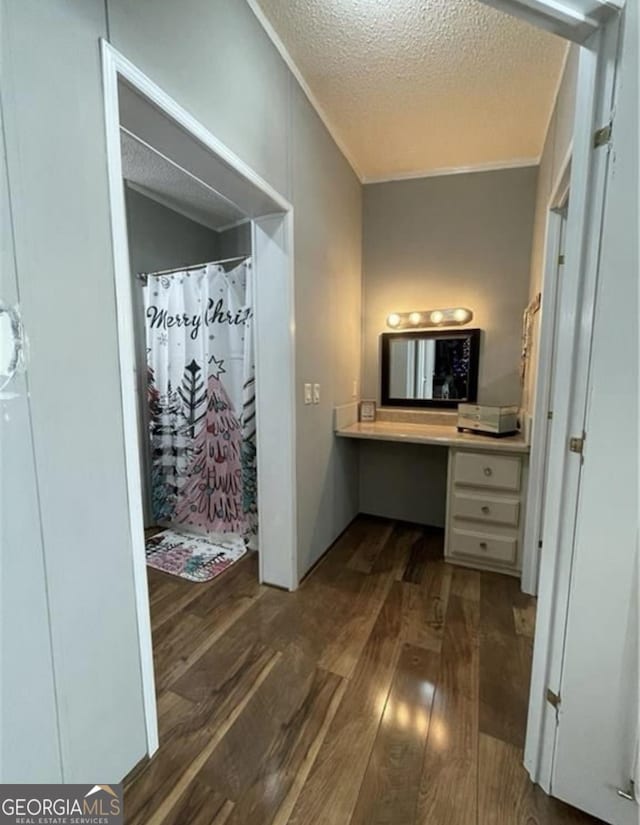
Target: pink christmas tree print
211 496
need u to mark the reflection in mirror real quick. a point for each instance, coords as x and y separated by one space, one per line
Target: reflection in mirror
429 368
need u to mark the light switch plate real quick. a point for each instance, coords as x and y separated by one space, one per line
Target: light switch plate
308 394
316 393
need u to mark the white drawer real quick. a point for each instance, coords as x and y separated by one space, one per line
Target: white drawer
490 509
500 549
498 472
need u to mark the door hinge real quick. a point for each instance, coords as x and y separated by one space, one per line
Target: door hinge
602 136
576 444
553 698
560 260
540 545
549 415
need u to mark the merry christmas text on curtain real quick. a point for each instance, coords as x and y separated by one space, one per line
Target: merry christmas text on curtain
201 395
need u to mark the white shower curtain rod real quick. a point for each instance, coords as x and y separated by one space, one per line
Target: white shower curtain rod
177 269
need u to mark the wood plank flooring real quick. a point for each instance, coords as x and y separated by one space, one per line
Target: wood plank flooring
390 689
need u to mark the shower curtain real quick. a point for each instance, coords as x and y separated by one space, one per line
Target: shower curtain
201 395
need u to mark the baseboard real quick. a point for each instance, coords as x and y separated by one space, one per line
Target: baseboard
135 772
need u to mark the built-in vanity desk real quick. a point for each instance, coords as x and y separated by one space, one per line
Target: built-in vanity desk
486 488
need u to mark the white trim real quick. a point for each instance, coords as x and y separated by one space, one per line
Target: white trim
147 88
539 424
279 492
596 75
124 302
491 166
295 71
561 18
272 243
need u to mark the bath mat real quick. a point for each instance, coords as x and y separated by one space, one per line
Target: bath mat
196 558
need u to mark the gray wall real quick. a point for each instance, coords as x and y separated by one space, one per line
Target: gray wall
404 481
556 147
255 107
328 233
239 87
235 241
159 238
60 207
28 714
452 240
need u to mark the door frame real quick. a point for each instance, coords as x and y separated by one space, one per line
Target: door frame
598 62
542 401
272 236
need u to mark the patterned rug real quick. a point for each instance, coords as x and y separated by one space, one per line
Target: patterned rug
196 558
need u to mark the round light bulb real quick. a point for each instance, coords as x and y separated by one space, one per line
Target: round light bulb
415 318
436 317
393 320
461 315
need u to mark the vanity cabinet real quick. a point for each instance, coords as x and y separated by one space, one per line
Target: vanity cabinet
485 509
486 487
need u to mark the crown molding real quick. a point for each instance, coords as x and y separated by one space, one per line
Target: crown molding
295 71
493 166
426 173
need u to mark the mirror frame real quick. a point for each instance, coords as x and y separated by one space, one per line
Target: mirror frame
385 359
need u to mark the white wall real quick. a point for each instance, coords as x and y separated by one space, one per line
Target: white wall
216 60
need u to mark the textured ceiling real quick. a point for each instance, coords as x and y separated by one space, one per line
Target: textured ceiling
164 181
411 86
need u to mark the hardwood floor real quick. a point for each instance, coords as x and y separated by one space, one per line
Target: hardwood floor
390 689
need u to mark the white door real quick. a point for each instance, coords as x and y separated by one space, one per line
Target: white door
586 635
28 722
597 733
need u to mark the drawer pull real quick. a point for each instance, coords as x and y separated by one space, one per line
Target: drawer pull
501 549
488 471
486 510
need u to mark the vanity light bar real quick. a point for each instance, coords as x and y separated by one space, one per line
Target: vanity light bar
453 317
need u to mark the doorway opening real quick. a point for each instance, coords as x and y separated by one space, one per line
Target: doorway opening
204 290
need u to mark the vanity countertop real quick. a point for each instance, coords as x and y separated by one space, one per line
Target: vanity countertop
439 434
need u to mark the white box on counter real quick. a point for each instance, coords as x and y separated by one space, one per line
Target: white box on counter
481 418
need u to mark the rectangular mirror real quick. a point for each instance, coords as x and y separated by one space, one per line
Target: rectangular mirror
429 368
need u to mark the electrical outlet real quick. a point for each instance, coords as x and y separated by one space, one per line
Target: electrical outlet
354 391
308 394
316 393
